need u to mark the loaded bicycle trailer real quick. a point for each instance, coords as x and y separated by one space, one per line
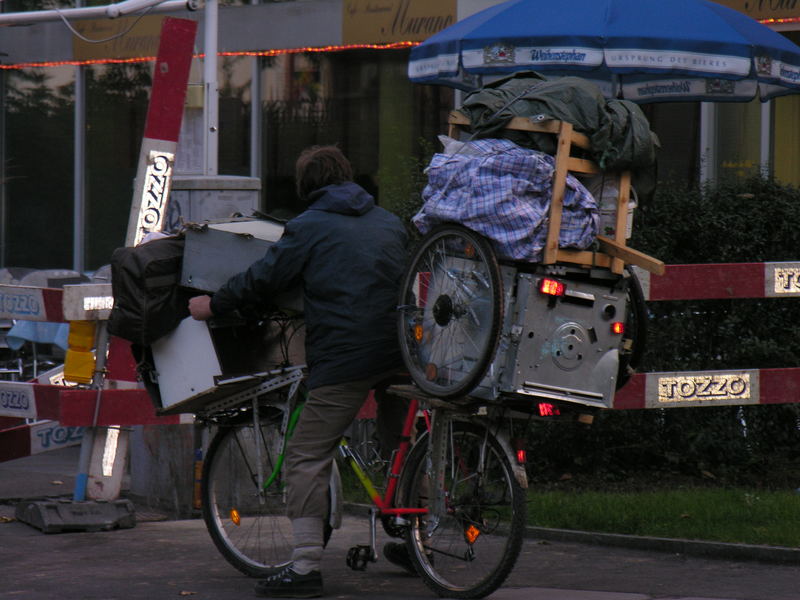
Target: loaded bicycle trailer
561 324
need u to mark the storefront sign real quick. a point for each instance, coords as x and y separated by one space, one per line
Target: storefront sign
389 21
765 9
123 38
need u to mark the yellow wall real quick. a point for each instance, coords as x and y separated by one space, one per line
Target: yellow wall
786 146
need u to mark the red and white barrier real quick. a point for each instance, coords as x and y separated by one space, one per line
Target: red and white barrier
710 388
26 440
722 281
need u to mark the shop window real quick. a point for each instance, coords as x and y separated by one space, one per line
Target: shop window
738 142
363 102
116 109
37 167
677 125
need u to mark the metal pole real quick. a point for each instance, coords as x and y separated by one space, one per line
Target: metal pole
90 12
211 104
708 135
765 154
256 120
3 203
255 116
79 170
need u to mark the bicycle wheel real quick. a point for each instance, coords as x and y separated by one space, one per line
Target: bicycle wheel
247 523
469 549
451 307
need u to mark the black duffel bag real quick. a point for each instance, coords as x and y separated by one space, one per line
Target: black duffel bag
148 300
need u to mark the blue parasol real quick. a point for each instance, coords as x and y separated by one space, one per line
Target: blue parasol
641 50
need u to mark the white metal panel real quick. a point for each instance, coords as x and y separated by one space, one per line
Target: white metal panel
186 362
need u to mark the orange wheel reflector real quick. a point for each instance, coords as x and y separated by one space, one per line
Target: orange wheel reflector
237 520
469 251
418 333
472 533
430 372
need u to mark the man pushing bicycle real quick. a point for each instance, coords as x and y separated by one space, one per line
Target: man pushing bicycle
349 257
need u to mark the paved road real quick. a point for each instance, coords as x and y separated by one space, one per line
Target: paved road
175 559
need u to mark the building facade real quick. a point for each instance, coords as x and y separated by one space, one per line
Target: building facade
74 97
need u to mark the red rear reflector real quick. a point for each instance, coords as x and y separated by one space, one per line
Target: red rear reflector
551 287
618 327
522 457
546 409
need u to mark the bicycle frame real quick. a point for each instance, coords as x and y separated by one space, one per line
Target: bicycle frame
385 504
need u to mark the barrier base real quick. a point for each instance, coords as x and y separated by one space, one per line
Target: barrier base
57 516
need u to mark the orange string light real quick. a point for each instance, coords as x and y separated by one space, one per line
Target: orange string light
116 61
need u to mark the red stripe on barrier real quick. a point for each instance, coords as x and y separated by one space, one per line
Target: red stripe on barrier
15 443
117 407
779 386
708 282
170 78
120 363
53 304
48 401
9 422
631 395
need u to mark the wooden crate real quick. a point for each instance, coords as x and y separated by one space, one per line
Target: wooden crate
612 253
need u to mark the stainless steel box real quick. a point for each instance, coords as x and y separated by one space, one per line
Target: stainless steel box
558 347
217 250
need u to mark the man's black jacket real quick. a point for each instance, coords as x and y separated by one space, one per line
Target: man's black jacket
349 256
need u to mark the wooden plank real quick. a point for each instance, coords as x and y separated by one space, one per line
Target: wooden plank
557 199
630 256
582 165
548 126
585 258
459 119
621 226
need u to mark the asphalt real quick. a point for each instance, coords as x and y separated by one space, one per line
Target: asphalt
160 558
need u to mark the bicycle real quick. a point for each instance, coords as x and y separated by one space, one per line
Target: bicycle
463 539
456 493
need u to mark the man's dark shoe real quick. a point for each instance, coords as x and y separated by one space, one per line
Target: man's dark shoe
397 554
288 584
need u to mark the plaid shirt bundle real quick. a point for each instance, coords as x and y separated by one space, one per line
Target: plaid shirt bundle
503 191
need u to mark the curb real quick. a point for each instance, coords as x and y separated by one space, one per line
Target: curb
722 550
705 549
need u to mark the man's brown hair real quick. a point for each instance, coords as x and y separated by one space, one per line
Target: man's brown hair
319 166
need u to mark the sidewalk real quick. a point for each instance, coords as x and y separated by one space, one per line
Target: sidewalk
172 559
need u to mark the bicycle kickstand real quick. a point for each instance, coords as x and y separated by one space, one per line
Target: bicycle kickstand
359 556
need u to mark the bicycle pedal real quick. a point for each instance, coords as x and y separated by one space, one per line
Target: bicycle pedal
359 556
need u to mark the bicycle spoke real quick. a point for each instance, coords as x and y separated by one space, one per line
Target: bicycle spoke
451 307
